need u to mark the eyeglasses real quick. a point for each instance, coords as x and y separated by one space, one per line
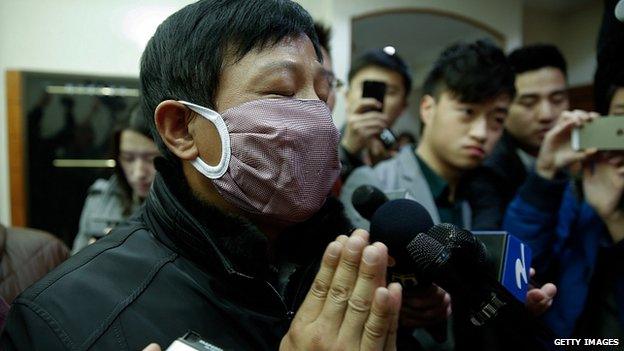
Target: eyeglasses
334 82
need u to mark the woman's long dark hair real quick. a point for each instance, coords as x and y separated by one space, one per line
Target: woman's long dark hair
136 123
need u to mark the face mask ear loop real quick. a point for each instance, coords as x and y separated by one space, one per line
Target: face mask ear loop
213 172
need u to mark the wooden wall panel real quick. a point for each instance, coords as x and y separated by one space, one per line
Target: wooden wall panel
582 97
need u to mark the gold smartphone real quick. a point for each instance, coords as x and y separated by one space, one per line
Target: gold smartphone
604 133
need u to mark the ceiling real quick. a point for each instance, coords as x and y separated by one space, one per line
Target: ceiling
558 5
418 37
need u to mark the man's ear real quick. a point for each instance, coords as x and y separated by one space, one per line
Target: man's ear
172 120
427 109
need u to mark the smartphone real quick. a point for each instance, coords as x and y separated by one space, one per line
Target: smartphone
374 89
377 90
604 133
192 341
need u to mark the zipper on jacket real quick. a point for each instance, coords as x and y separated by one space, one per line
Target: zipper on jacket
288 313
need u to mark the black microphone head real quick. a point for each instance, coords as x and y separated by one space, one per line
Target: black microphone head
367 199
396 223
459 240
428 255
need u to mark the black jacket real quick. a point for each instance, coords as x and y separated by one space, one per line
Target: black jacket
492 187
176 266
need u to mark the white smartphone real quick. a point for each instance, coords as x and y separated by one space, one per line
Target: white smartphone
604 133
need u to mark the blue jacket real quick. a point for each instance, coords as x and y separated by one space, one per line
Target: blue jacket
565 235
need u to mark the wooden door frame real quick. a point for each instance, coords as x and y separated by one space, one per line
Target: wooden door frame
17 137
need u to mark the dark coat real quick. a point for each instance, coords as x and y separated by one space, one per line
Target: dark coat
176 266
26 255
492 187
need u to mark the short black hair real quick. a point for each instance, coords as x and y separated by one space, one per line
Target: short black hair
379 58
537 56
617 82
185 57
473 72
323 33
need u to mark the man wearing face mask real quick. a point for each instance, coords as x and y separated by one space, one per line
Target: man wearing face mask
237 240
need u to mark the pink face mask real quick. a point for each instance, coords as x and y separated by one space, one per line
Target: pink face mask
279 157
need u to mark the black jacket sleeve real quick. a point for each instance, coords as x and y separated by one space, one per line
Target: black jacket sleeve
29 328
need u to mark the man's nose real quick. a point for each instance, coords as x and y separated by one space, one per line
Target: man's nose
478 129
546 112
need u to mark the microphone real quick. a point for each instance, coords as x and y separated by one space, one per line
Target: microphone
366 199
506 257
406 228
372 204
454 266
402 225
397 222
476 296
619 11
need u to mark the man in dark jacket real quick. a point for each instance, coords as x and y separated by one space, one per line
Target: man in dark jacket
541 97
230 237
579 243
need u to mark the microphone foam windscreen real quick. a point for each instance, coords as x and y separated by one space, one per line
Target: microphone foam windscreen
619 11
396 223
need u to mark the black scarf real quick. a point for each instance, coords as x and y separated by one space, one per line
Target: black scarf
211 238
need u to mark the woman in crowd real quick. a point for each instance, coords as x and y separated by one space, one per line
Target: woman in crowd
114 200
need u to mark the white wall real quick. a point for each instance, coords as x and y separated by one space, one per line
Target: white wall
504 16
107 38
575 33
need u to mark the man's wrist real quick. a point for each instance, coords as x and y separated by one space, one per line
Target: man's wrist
546 172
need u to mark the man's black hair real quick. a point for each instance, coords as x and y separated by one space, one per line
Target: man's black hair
536 56
323 33
379 58
617 82
473 72
184 58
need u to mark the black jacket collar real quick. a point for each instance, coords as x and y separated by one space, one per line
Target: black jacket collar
505 161
213 239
